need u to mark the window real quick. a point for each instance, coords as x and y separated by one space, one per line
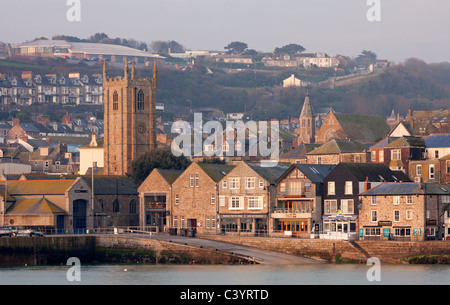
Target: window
374 156
396 154
224 184
436 154
330 206
249 183
140 100
295 188
319 160
115 101
236 203
409 215
373 216
372 231
133 207
234 183
409 199
191 180
347 206
418 169
196 180
402 232
396 200
331 188
396 215
213 222
213 198
381 156
282 187
373 200
348 187
261 183
175 221
208 222
116 206
431 171
177 199
447 166
255 202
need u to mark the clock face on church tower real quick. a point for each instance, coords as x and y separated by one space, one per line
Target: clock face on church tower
142 128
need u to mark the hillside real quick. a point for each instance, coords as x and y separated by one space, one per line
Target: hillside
258 92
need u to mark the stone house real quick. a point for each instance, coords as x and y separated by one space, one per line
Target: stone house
195 194
297 155
341 188
54 159
246 197
405 211
298 207
156 200
398 152
337 151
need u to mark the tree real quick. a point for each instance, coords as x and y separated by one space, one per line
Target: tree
143 165
366 58
160 46
236 47
290 49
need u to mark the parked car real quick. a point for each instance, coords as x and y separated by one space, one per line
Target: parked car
6 232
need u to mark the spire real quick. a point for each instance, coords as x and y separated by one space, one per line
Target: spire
307 110
155 74
133 72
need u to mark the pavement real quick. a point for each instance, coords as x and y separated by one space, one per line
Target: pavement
266 257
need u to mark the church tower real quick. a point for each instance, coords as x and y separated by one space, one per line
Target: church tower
307 122
129 119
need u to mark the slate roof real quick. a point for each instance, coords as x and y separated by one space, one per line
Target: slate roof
407 142
271 173
216 171
337 146
170 174
375 172
314 172
300 151
438 140
111 185
408 189
363 128
307 109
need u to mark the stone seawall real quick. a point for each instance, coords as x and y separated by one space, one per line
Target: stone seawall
388 251
55 250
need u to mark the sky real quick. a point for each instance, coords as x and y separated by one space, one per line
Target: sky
407 28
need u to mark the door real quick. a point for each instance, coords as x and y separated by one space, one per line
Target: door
192 224
60 224
79 216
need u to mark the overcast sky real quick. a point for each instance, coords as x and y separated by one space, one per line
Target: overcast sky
408 28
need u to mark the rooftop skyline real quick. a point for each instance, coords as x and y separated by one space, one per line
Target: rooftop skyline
415 28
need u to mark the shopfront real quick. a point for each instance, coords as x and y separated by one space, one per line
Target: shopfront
340 227
243 224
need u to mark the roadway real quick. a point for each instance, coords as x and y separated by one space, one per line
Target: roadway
267 257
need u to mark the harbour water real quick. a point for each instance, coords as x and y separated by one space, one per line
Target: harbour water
320 274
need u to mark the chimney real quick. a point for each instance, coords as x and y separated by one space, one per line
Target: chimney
367 184
16 121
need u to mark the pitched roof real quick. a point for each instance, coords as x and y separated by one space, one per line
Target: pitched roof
363 128
270 173
374 172
34 207
216 171
408 189
307 110
314 172
170 174
407 141
112 185
38 187
337 146
300 151
438 140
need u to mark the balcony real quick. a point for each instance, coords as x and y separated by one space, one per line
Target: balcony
292 213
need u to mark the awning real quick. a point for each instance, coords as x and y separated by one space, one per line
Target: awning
341 217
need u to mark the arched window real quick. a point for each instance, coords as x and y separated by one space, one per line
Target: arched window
100 203
116 207
115 101
133 207
140 100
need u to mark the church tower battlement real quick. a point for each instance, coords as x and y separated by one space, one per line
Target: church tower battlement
129 119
